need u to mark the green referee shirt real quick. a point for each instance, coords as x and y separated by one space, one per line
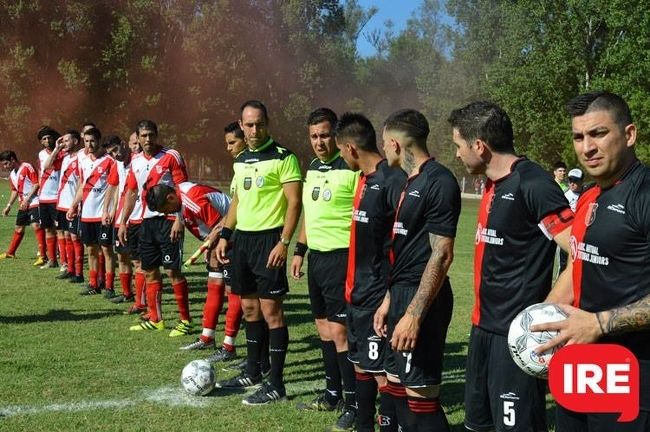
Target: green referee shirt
327 198
259 176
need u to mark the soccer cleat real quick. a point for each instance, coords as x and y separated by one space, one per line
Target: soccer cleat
241 381
265 395
148 325
6 255
198 344
90 291
184 327
49 265
109 294
63 275
121 298
76 279
222 355
319 403
39 261
345 422
133 309
63 268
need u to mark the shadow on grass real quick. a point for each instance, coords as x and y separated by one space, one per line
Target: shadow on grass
54 315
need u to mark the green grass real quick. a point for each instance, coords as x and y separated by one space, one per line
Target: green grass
64 355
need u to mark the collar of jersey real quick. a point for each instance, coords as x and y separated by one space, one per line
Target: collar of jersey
263 146
332 159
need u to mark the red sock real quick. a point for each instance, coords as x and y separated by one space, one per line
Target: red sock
182 294
154 296
140 295
233 315
60 242
102 267
213 304
15 242
40 237
125 282
51 247
69 254
92 275
78 257
110 280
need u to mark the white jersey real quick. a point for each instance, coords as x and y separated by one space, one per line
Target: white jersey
123 171
22 181
49 178
68 182
96 175
203 207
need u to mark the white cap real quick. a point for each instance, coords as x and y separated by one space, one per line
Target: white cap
575 173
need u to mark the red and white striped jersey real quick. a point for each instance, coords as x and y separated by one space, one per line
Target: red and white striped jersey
96 175
123 171
166 167
202 207
22 180
68 182
49 178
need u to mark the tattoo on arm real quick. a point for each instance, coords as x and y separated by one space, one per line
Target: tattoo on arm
630 318
434 275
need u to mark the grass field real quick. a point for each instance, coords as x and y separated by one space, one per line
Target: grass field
69 362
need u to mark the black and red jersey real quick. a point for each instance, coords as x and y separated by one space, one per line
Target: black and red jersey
513 261
610 249
375 202
429 204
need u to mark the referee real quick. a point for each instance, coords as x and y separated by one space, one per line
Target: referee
265 211
328 194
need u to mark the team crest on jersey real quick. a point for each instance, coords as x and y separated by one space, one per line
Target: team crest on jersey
259 181
477 237
590 217
327 194
573 246
100 169
158 169
248 182
315 192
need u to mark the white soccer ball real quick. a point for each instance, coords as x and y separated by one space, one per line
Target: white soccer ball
198 378
522 342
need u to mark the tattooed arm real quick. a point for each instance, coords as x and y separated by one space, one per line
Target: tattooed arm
630 318
408 328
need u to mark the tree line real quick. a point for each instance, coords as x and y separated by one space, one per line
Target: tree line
189 64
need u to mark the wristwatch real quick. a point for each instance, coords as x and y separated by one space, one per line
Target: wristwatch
284 241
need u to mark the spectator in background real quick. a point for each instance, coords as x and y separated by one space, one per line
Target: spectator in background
572 195
559 173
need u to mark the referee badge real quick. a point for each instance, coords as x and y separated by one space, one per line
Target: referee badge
259 181
327 194
248 181
315 192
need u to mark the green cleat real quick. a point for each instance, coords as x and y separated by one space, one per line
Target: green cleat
148 325
183 328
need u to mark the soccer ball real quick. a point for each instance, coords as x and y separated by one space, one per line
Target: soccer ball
198 378
522 342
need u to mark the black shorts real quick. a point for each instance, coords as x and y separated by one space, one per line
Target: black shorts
118 247
62 223
569 421
133 240
326 272
365 348
92 233
27 217
227 268
73 225
48 214
499 395
423 366
156 248
250 254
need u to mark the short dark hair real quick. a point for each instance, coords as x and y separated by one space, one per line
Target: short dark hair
559 164
321 115
157 196
411 122
486 121
254 103
111 141
234 128
146 124
601 100
88 123
94 132
359 129
74 134
8 155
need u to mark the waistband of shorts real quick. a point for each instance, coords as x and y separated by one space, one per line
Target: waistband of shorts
332 252
277 230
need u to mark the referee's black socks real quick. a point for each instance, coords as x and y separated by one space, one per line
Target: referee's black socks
332 372
254 339
278 344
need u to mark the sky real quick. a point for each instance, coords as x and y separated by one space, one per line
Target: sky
398 11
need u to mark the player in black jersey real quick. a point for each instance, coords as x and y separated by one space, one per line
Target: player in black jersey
610 251
368 266
522 213
417 309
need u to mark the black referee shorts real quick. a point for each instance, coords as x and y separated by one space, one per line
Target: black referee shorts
326 272
423 366
155 246
27 217
249 257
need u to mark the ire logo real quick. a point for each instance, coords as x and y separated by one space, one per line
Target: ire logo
596 378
